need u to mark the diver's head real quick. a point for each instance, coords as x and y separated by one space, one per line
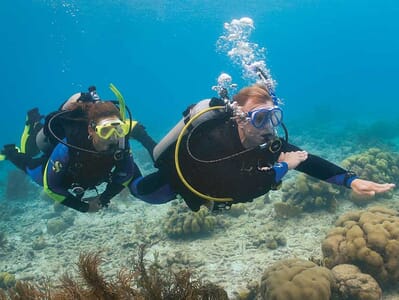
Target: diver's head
82 97
257 116
105 126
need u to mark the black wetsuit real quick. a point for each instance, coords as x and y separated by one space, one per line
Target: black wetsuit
221 173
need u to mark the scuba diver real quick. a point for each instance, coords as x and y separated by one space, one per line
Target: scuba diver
37 136
224 152
80 147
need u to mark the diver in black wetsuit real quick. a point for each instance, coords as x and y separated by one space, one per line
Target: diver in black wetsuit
235 156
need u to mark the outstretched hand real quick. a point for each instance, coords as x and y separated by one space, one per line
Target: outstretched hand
293 158
370 188
94 204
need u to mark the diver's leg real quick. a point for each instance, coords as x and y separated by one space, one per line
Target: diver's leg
32 127
31 166
19 159
153 188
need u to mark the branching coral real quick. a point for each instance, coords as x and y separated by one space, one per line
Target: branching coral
139 283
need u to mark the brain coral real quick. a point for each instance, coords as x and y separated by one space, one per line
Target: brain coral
299 279
355 285
368 239
182 223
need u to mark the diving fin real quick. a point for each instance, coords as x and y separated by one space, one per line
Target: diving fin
9 149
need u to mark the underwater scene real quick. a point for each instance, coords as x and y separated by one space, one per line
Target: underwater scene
329 70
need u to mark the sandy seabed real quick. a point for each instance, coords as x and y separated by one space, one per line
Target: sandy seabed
231 256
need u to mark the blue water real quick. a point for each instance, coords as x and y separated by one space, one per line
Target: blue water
336 55
334 61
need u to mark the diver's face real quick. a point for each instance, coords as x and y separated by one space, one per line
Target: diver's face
104 145
250 135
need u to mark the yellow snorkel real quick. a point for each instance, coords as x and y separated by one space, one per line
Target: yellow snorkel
122 107
121 100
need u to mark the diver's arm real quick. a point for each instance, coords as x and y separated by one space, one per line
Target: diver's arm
54 176
76 203
111 191
322 169
125 171
140 134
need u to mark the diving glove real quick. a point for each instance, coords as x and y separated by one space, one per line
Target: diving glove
9 150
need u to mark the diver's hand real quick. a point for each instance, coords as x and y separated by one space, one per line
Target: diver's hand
370 188
94 204
293 159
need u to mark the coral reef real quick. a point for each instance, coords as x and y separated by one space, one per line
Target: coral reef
142 283
368 239
7 280
296 279
286 210
270 238
351 283
306 194
237 209
376 165
182 223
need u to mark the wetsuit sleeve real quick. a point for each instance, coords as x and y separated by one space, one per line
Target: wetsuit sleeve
322 169
280 169
140 134
126 169
54 177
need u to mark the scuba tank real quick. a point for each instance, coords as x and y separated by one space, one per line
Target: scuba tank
188 114
222 88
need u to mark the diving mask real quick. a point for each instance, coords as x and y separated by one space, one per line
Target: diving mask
112 128
261 118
